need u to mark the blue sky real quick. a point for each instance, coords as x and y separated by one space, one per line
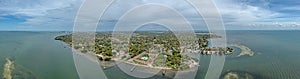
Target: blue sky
58 15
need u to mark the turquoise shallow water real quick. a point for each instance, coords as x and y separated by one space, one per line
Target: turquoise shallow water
39 53
277 55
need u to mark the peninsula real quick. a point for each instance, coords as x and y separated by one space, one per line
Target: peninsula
151 49
245 51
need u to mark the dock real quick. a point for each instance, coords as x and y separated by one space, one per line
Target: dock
133 68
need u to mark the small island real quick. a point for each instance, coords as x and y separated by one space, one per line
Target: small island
231 74
8 69
245 51
151 49
11 70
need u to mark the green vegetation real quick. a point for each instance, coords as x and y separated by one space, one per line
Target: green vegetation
160 61
142 42
65 38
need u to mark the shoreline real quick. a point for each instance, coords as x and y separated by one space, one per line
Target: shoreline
245 51
8 68
111 63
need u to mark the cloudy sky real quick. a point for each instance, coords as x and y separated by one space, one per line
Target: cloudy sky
59 15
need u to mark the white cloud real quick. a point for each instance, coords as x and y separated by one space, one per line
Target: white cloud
242 12
237 14
233 12
291 8
42 14
33 7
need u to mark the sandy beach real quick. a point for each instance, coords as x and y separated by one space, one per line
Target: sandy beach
244 50
8 68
